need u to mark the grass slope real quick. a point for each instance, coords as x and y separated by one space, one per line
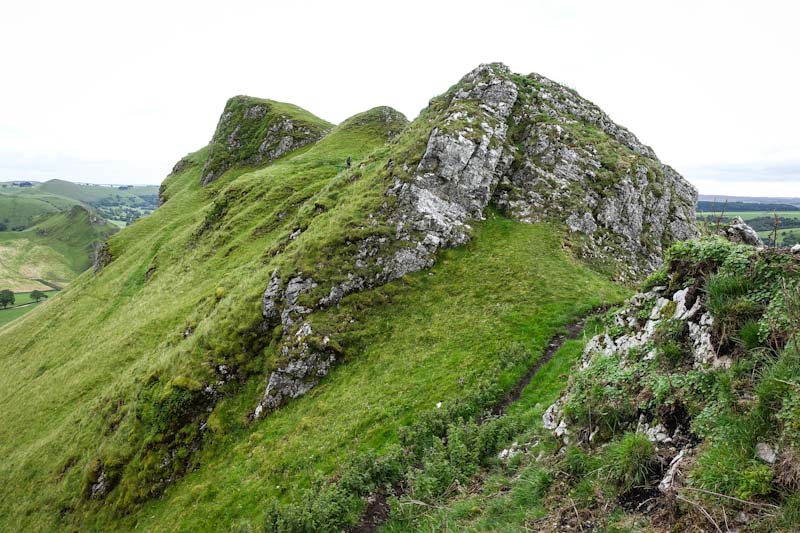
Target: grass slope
507 495
437 336
56 250
21 210
605 482
95 194
181 296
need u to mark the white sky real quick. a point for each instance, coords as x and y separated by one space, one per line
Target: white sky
113 92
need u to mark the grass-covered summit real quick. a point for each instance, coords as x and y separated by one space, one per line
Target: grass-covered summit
282 315
252 131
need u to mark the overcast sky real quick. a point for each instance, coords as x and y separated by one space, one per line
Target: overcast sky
108 92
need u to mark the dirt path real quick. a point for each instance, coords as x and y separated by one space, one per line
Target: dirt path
377 511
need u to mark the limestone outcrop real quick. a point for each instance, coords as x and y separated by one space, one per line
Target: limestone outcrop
534 149
253 131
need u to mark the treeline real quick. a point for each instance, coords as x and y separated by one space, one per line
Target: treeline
716 207
785 239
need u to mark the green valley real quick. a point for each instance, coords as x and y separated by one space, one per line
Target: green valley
52 252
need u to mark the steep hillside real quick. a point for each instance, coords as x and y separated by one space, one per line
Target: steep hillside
680 415
272 262
56 250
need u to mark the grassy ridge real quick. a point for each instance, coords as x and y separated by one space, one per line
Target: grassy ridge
137 323
431 341
181 296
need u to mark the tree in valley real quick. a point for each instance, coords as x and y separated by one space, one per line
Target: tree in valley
37 295
6 298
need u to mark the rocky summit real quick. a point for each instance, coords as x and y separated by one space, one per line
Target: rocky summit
532 148
355 326
252 131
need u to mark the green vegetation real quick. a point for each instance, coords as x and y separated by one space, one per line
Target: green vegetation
251 129
23 207
6 298
182 296
37 296
19 209
725 415
24 302
764 222
54 251
707 206
12 313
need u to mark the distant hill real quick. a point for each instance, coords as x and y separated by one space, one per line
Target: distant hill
20 211
711 206
52 252
23 204
720 198
142 195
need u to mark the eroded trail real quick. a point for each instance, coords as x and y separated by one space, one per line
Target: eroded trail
378 509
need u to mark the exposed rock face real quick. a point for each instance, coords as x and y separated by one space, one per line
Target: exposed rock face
535 149
252 131
739 232
102 257
573 164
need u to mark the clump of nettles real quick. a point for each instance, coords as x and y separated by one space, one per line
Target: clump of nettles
687 408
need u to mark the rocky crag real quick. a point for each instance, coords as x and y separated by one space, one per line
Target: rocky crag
701 354
532 148
254 131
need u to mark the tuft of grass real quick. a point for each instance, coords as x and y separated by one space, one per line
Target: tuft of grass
629 462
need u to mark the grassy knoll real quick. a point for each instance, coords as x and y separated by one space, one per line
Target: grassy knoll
183 293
